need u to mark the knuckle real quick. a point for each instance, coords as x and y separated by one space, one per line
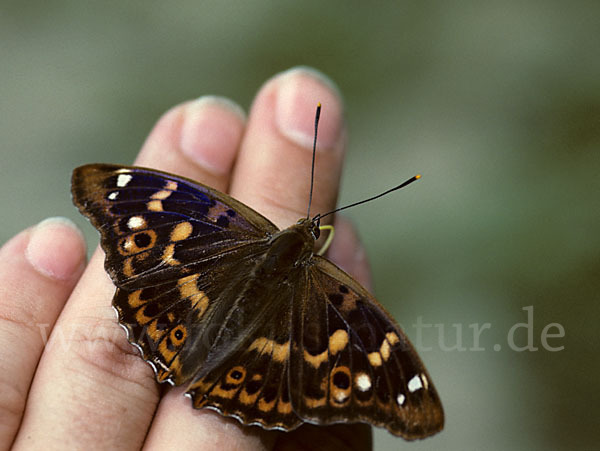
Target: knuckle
24 313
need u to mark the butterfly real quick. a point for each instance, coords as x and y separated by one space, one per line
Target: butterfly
255 323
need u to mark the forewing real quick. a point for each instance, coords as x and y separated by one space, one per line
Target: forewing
156 227
351 362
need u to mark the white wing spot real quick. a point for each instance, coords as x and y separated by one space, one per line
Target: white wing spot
363 382
123 180
113 195
415 384
401 398
135 222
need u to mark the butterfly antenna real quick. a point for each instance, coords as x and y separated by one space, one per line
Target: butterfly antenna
402 185
312 166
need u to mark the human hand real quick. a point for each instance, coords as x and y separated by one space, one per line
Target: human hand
87 387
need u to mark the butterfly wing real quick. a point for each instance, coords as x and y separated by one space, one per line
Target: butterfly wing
351 362
176 250
313 347
174 323
253 385
156 226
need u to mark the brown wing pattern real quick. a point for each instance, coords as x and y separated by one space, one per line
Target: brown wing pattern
156 227
252 385
172 322
351 362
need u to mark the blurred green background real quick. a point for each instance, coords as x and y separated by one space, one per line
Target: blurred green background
497 104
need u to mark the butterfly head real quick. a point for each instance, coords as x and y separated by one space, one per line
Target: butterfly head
311 226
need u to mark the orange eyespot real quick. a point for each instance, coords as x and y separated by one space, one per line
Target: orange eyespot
178 335
236 375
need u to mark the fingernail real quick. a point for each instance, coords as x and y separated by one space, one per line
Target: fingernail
56 248
300 90
211 132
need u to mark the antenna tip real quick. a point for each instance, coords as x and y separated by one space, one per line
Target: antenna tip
319 105
417 177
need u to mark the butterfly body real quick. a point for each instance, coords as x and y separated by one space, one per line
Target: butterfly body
247 316
288 252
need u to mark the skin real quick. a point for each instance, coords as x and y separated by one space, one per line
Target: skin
86 386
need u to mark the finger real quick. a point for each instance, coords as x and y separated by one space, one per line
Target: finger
272 173
199 140
38 269
100 391
348 253
178 426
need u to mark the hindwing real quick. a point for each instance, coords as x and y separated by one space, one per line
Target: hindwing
351 362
